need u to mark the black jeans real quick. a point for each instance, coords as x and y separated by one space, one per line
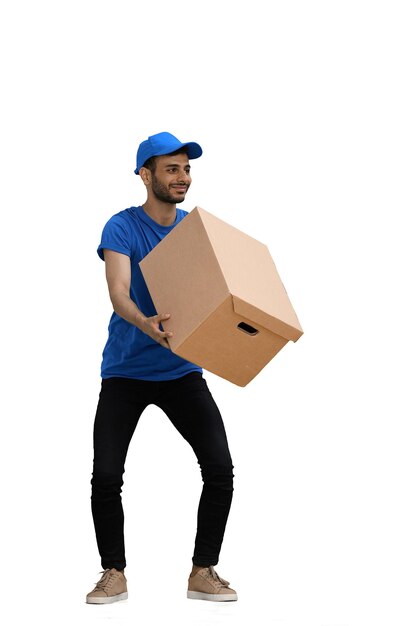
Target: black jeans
189 405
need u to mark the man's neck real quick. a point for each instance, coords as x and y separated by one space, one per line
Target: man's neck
162 213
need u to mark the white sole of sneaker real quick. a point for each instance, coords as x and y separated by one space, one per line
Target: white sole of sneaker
212 597
108 600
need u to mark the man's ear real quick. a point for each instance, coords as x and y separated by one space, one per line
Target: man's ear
146 175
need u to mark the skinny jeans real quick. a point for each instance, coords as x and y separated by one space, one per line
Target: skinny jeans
190 407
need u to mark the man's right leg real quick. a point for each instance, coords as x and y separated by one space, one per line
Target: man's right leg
120 405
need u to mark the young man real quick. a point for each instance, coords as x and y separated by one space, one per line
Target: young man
139 369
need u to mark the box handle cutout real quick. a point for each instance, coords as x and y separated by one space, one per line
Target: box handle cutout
246 328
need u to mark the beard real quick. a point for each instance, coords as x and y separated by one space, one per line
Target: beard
163 193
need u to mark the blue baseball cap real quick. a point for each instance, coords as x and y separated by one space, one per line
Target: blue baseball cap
164 143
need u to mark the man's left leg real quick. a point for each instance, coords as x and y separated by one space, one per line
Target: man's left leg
191 408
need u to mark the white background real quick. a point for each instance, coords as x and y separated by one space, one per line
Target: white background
307 115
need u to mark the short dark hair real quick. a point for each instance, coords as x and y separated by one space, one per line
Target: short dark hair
150 163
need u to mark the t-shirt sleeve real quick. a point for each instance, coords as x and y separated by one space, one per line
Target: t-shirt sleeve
115 237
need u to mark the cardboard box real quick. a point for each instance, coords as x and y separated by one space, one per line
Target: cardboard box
230 313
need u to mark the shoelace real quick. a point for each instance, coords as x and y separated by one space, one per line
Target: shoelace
106 580
220 582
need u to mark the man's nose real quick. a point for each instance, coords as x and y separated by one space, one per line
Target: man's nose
184 176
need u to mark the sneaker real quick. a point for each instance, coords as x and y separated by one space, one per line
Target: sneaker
110 588
207 585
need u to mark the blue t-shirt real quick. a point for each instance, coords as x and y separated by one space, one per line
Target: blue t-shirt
129 352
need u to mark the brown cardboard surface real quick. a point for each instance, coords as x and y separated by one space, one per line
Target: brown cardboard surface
220 347
211 278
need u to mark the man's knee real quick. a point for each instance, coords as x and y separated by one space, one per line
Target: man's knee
105 484
218 476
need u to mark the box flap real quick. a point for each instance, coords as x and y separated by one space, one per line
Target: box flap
251 277
261 318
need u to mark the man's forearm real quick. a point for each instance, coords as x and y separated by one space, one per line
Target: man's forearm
124 306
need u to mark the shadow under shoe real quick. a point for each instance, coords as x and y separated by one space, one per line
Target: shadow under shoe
110 588
206 584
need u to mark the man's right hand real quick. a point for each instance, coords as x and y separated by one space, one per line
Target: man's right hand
150 326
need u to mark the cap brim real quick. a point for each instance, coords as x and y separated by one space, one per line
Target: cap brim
194 150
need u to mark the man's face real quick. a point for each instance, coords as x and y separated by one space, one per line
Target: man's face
171 179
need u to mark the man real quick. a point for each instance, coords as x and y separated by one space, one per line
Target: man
138 369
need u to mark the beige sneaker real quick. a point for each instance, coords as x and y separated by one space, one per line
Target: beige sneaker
110 588
207 585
